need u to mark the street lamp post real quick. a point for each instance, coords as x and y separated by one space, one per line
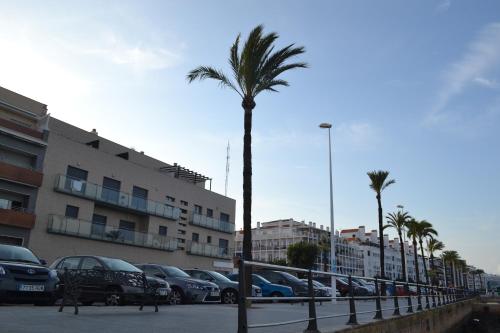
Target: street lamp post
332 229
401 207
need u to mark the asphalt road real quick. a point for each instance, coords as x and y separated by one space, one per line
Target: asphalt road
209 318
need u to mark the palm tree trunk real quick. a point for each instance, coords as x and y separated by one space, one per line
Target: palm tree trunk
454 274
403 258
433 269
425 265
248 104
381 243
481 280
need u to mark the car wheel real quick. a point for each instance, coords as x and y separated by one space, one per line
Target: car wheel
276 294
229 296
113 297
176 296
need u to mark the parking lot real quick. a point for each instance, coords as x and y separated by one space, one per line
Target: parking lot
183 318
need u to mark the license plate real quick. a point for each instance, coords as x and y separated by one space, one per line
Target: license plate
31 287
214 293
162 292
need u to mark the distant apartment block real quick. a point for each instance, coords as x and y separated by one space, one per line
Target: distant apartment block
270 242
23 143
98 197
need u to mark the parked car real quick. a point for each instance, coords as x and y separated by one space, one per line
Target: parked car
108 288
299 287
268 289
325 291
229 289
23 277
368 285
185 289
343 287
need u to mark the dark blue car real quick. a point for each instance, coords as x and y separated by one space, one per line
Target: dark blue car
268 289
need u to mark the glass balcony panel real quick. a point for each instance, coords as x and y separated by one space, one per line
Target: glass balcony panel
211 223
92 230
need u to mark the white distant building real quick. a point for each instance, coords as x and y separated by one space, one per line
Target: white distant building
270 241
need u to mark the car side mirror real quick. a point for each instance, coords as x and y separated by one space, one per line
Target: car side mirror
43 262
160 275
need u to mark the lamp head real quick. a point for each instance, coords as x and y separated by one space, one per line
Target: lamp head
325 125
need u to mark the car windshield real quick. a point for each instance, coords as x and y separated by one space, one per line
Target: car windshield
175 272
318 284
291 277
17 253
119 265
219 277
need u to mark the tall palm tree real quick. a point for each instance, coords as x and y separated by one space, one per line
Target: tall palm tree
451 257
398 221
434 245
412 233
424 230
379 183
480 272
254 69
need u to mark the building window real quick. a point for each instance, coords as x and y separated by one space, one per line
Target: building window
75 180
71 211
110 190
224 245
77 173
210 212
195 237
224 217
170 199
184 211
184 203
209 239
162 230
181 232
98 227
198 209
127 230
139 198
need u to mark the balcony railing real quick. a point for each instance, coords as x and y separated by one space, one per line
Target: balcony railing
115 198
85 229
211 223
20 174
15 216
208 250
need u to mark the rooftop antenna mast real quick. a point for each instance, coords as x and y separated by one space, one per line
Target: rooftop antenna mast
227 167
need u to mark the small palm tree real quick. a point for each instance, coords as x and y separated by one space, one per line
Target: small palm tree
480 272
378 184
425 230
412 233
324 247
398 221
434 245
255 69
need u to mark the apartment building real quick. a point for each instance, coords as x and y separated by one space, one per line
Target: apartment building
100 198
270 242
23 142
368 244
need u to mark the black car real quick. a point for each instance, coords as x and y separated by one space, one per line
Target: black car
185 289
109 281
299 287
23 277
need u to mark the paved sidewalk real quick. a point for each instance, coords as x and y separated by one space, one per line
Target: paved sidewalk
207 318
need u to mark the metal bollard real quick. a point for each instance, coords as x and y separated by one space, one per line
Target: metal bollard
242 299
352 306
433 291
312 327
396 301
410 306
419 297
378 313
427 304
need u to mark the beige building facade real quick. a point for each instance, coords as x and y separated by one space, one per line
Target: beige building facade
93 196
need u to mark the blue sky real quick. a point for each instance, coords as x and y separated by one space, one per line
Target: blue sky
412 87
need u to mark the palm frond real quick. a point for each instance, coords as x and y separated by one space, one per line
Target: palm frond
378 180
234 61
269 86
203 72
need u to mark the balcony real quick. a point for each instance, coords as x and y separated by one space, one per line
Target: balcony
20 174
22 129
79 228
15 216
208 250
115 198
211 223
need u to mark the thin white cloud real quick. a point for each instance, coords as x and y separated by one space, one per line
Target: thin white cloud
358 135
443 6
482 55
135 55
485 82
